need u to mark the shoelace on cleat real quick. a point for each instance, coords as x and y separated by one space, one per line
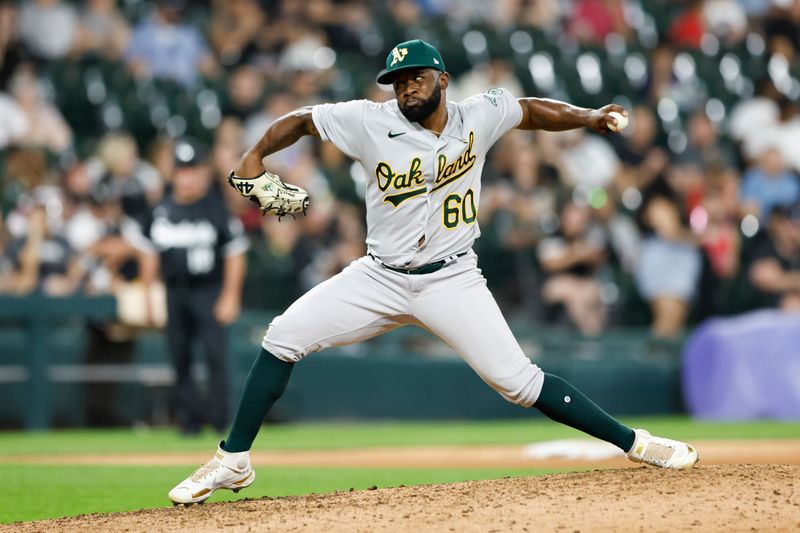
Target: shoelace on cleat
204 470
659 453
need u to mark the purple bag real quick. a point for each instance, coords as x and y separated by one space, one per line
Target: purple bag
744 367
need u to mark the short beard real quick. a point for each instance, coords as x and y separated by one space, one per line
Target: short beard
426 108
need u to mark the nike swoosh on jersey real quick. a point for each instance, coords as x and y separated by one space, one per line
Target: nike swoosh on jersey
393 134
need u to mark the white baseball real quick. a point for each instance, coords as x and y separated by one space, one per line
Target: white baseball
622 121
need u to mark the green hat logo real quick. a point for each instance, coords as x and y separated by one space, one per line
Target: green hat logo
398 55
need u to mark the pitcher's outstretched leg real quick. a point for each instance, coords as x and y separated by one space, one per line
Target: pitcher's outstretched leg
563 403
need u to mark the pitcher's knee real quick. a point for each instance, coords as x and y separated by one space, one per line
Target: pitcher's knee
282 345
524 388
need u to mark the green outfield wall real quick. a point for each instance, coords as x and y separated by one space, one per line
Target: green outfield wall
45 380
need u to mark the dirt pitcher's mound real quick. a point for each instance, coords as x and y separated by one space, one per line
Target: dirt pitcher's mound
708 498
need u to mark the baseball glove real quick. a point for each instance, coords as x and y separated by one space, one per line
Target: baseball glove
271 194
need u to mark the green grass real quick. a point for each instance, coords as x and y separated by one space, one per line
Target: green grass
46 491
53 491
340 436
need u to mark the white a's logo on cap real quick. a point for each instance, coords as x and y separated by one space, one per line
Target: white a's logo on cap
398 54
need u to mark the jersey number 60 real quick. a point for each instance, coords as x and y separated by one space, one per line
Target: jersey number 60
457 208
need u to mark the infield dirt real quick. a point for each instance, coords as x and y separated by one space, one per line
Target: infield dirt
707 498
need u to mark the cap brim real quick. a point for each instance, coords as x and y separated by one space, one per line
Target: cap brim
386 77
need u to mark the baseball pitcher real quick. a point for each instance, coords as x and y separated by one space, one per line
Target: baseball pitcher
423 157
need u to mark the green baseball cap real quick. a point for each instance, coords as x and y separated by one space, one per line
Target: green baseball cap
410 54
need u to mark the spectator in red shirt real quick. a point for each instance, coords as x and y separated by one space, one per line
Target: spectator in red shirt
593 20
688 27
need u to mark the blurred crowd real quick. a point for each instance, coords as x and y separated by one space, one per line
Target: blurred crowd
694 211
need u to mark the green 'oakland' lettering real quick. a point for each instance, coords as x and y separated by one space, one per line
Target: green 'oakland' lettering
450 172
413 179
387 177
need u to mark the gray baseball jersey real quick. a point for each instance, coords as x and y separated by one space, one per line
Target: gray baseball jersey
422 190
422 207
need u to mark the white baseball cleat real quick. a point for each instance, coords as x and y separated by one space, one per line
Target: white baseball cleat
661 452
226 470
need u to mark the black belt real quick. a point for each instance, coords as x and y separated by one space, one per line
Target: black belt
424 269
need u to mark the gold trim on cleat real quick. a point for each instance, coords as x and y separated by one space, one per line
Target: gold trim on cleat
201 493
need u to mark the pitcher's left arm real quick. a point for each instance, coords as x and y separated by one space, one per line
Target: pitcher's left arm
553 115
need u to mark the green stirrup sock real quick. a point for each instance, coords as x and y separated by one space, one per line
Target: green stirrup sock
265 384
564 403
